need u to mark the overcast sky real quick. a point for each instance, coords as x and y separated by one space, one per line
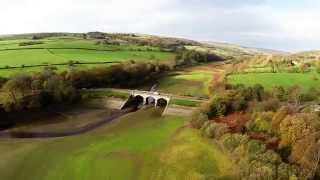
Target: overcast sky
291 25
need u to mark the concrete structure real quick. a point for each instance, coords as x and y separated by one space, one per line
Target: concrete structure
142 98
117 103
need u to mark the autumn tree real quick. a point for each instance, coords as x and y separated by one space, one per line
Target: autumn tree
296 127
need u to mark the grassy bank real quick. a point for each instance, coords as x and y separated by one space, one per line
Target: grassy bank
184 102
138 146
187 84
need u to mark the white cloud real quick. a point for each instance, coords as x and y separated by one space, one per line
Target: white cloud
288 25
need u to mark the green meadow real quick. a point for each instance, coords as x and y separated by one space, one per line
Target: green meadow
193 83
52 56
269 80
64 50
140 145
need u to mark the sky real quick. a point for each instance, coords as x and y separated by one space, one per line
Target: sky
288 25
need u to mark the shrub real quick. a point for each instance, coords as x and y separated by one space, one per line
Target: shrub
217 107
255 92
29 43
258 92
270 104
280 93
262 122
214 130
293 70
218 84
231 141
295 95
2 81
198 119
303 68
239 104
311 95
256 147
318 67
152 57
279 116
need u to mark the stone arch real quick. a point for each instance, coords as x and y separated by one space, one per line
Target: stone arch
138 100
134 102
150 100
162 103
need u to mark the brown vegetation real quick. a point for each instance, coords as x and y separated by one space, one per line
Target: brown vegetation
268 134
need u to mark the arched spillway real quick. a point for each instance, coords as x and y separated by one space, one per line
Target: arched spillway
139 99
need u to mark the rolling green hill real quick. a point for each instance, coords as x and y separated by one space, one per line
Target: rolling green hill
21 53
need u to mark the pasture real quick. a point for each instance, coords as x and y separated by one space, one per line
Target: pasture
269 80
64 50
141 145
193 83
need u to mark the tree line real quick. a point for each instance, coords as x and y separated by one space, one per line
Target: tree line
27 91
192 57
37 90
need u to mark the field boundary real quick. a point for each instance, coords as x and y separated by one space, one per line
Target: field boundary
89 49
58 64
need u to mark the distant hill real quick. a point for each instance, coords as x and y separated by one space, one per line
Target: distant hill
272 51
226 50
307 56
315 53
243 49
42 35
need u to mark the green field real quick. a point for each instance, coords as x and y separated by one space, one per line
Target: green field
184 102
63 50
187 84
138 146
35 56
269 80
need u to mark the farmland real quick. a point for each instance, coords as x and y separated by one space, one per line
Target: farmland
269 80
210 128
64 50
